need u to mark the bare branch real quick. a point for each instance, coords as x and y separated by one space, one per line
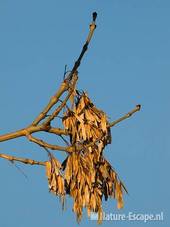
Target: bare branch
23 160
137 108
58 131
52 102
32 129
50 146
85 48
12 135
61 106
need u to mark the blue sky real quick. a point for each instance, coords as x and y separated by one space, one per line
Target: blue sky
128 63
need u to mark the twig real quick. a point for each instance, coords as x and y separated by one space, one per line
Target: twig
85 47
64 87
61 106
32 129
44 144
66 142
58 131
137 108
52 102
23 160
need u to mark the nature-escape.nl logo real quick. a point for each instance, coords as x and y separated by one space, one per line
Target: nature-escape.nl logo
130 216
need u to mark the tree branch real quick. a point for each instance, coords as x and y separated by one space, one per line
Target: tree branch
32 129
85 47
23 160
54 99
137 108
62 105
12 135
50 146
58 131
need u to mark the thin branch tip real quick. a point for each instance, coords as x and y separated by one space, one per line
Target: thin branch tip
138 107
94 16
22 160
129 114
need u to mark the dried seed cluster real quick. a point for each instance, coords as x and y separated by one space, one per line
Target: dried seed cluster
54 175
87 175
86 123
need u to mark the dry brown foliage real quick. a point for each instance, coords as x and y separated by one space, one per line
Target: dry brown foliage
85 174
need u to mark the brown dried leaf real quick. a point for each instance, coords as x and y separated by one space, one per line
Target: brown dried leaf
93 202
60 182
48 169
82 131
72 96
119 195
103 123
68 170
87 193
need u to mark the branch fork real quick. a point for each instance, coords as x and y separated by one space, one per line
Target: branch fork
42 123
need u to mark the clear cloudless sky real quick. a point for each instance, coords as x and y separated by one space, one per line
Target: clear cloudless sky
128 62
